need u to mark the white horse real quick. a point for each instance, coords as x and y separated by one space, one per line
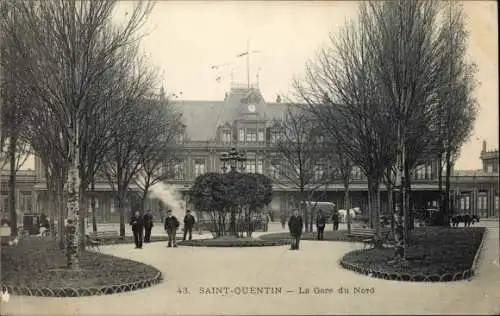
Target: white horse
353 212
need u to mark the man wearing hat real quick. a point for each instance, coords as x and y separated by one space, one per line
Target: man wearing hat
171 225
188 225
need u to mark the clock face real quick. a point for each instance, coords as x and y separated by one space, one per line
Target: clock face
251 108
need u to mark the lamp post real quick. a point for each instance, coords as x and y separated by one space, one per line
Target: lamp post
235 159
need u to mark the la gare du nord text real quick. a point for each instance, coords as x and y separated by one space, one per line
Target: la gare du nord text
276 290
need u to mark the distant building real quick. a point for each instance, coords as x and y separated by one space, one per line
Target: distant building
242 120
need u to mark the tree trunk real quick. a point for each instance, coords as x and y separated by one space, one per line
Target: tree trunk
61 211
374 200
446 211
370 206
440 189
121 210
51 203
82 215
347 205
390 202
92 205
12 186
304 209
407 184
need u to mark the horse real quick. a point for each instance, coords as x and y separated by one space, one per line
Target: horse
352 212
467 219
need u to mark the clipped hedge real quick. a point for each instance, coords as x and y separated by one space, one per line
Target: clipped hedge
233 242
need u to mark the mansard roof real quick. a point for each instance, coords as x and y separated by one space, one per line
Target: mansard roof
202 118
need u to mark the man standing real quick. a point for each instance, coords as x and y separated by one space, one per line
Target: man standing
188 225
295 224
137 228
171 225
320 224
335 220
148 225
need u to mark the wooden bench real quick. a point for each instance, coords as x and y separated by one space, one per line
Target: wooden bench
94 239
369 233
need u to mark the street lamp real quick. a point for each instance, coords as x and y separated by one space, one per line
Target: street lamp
235 159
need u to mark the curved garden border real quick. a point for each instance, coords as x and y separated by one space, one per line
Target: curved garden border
396 276
77 292
257 242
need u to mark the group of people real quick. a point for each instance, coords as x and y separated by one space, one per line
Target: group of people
142 226
295 225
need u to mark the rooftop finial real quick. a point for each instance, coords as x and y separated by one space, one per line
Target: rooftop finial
484 146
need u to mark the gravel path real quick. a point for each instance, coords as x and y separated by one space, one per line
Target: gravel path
313 267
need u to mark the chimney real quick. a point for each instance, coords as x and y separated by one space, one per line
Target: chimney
484 146
278 99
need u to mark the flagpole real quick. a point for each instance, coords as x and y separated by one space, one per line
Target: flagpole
248 63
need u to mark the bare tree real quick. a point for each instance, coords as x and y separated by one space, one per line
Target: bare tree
344 167
458 106
131 137
343 95
300 151
65 49
159 159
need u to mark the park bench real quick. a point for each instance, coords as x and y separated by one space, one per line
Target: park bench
94 239
369 233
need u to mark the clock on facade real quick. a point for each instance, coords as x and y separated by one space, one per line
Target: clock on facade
251 108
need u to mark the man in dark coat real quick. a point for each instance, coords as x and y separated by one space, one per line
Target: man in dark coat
148 225
320 224
137 224
295 225
171 225
335 220
188 225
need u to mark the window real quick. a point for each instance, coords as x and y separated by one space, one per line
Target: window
496 202
318 172
25 203
260 166
420 172
275 171
226 136
465 203
5 204
242 134
179 170
251 135
356 173
199 167
482 201
261 135
250 166
275 136
428 171
489 168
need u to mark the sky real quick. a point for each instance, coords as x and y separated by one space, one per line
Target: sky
185 38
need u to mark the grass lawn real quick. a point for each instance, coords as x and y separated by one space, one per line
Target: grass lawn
38 262
431 251
233 242
339 235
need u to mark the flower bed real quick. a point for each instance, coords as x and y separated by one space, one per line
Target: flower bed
233 242
435 254
36 266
